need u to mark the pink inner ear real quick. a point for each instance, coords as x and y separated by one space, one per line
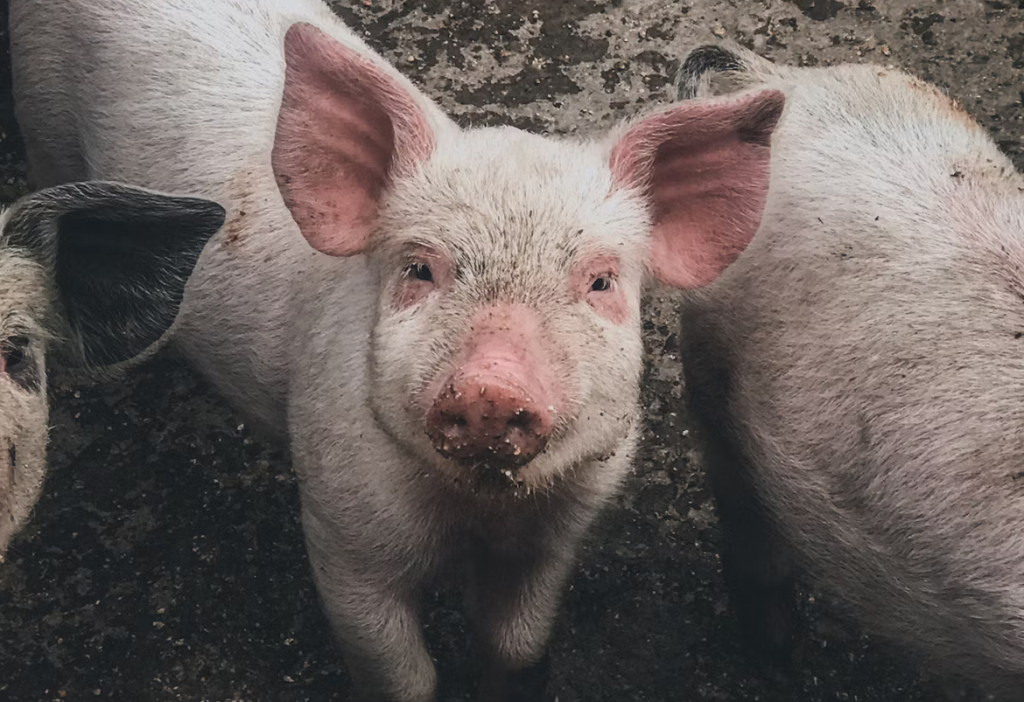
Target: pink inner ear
705 167
345 129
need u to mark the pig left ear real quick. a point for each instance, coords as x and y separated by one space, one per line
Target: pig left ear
119 257
704 167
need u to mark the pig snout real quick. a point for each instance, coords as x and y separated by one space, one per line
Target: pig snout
497 408
489 418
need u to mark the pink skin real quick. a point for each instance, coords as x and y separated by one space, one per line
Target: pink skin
705 166
602 269
498 407
345 128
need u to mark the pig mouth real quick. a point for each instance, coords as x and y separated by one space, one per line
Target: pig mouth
502 449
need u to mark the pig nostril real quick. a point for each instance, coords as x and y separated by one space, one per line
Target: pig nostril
453 426
521 420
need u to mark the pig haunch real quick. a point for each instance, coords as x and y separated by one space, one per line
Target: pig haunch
443 322
857 373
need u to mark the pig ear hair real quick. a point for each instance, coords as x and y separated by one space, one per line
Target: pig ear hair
345 129
119 257
704 167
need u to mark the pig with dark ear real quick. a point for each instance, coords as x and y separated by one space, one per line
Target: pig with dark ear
443 322
859 372
90 273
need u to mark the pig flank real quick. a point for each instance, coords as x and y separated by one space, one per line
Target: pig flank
443 323
859 372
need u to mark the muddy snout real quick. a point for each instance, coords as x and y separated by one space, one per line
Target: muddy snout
489 421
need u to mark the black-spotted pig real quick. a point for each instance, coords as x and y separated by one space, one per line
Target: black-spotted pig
90 274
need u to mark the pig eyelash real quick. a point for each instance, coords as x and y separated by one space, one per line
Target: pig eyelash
419 271
603 283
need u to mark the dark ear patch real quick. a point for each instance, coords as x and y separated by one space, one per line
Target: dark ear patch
120 257
701 60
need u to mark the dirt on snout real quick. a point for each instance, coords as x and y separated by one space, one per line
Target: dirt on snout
166 561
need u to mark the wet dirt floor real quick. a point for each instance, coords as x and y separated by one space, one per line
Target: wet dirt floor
166 562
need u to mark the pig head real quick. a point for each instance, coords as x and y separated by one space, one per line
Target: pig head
507 347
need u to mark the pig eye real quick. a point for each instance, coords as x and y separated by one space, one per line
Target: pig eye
420 271
16 362
601 284
12 353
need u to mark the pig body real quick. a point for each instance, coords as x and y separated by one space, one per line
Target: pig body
89 274
859 373
444 323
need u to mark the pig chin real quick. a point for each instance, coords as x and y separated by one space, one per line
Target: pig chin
501 478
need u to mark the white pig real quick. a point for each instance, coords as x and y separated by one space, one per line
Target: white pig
859 371
91 273
443 322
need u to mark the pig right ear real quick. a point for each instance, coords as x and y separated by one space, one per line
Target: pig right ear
119 256
345 129
704 167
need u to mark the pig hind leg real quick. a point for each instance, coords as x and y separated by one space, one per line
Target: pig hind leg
756 561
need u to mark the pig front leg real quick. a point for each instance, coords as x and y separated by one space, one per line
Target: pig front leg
373 615
513 601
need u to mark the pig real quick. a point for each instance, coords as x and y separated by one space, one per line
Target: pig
442 323
858 374
91 274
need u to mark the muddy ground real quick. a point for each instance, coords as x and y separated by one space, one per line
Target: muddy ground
166 562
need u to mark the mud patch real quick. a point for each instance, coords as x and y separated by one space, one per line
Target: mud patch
819 10
527 86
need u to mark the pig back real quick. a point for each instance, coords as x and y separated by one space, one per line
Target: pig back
183 97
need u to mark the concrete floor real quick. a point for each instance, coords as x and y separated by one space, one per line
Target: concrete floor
166 562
